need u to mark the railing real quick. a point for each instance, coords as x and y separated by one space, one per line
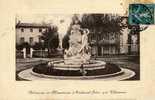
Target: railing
45 54
96 51
40 53
112 50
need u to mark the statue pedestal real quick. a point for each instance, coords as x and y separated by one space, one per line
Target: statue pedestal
73 61
77 60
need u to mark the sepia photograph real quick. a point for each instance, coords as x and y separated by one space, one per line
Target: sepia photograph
88 46
77 50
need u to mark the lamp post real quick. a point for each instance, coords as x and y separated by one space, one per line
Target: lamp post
42 44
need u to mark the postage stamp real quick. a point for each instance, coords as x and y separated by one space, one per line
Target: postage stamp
141 14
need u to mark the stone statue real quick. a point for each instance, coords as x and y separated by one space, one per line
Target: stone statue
78 52
85 49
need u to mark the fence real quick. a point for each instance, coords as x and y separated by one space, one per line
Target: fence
96 51
40 53
112 50
37 54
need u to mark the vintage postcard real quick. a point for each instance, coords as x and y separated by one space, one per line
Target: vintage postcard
71 50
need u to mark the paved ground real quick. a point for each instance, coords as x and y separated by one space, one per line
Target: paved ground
123 61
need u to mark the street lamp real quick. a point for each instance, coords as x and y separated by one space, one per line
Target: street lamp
42 44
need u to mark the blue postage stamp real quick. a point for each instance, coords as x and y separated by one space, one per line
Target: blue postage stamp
141 14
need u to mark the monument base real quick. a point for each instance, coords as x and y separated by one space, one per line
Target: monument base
91 65
77 60
93 68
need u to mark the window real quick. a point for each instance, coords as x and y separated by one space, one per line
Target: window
40 30
31 30
22 40
31 40
22 30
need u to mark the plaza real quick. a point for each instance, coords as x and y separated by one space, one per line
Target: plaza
22 64
88 49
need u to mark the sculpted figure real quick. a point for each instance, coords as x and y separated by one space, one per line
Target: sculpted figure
78 52
85 49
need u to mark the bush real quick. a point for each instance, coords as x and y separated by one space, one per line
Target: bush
22 45
38 46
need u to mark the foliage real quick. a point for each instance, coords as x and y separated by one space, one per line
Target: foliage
22 45
97 23
103 23
51 38
38 46
65 41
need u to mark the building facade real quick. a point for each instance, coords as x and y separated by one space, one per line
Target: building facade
29 32
113 44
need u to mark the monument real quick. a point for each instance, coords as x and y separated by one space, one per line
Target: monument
77 58
79 50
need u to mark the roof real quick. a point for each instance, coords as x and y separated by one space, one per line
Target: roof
32 25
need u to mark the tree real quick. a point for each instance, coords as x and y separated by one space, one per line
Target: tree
38 46
51 38
23 45
65 41
103 27
104 23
